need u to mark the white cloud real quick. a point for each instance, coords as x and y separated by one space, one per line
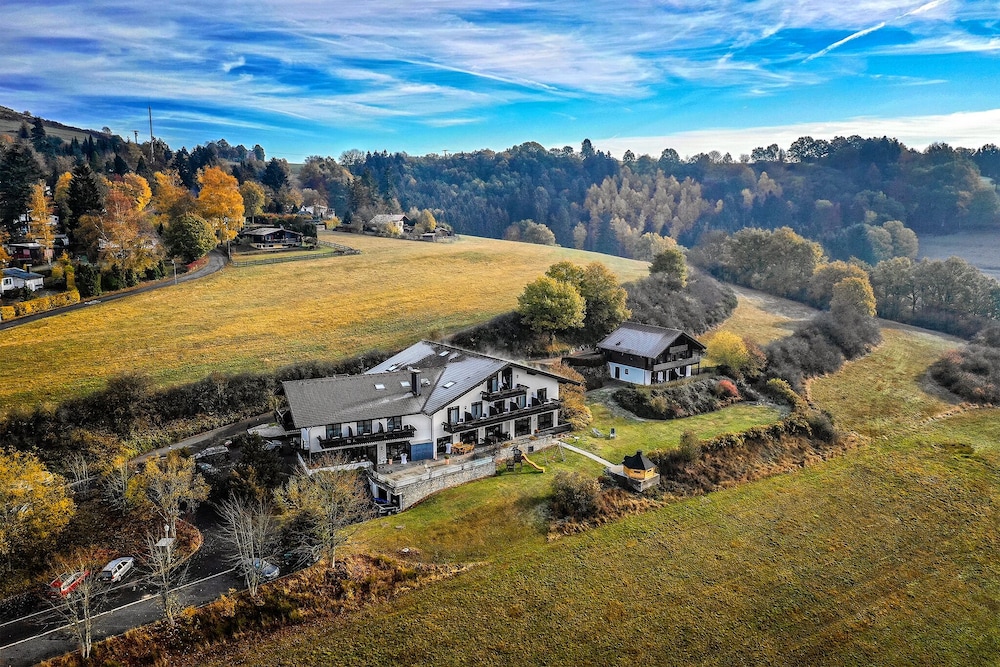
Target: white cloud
970 129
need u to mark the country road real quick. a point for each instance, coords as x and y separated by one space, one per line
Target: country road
216 262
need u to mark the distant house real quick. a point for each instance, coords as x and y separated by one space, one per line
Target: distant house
272 238
646 354
316 212
14 279
29 252
386 223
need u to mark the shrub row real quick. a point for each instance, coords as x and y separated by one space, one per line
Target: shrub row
700 305
677 401
759 451
39 305
820 346
129 410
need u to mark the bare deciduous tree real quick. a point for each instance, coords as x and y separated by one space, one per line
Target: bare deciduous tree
250 528
121 485
166 572
79 471
81 605
319 511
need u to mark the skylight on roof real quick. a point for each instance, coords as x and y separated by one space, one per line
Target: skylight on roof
443 354
449 383
404 383
380 386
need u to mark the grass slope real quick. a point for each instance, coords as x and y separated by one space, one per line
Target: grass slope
264 317
887 555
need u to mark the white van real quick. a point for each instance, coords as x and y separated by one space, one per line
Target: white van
116 569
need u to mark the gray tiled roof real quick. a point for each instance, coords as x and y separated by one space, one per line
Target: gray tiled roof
644 340
350 398
345 398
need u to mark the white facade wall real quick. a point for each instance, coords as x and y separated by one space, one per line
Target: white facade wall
629 373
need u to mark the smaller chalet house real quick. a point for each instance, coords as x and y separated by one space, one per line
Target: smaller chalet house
646 354
272 238
388 223
418 403
17 278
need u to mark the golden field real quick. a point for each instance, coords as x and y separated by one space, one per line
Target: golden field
263 317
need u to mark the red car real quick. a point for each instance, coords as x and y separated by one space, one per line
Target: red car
65 584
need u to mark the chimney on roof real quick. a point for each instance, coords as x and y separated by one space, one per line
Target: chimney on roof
415 381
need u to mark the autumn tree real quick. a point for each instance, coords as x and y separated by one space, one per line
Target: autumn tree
220 202
254 199
826 276
736 355
39 210
604 298
319 510
34 505
189 237
853 295
172 485
122 485
670 262
120 236
170 197
549 305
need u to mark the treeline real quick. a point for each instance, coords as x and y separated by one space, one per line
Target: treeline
130 413
839 193
948 295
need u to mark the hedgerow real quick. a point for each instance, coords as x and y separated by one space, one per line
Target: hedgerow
677 401
973 373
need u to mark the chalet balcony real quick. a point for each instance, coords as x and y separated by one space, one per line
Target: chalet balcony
351 440
677 362
495 417
519 390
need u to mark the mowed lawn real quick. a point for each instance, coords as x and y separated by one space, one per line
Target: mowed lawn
264 317
889 554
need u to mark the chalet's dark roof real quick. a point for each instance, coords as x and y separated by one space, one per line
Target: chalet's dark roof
644 340
21 274
638 461
267 231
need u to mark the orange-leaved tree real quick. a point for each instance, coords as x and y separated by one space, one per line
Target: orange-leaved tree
220 202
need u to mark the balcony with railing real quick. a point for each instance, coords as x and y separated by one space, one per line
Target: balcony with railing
351 440
513 411
506 392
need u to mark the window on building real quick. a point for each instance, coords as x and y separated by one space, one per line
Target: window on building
521 400
364 427
477 409
333 431
393 423
542 395
545 421
522 426
453 415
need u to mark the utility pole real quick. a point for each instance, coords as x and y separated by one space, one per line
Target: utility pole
150 108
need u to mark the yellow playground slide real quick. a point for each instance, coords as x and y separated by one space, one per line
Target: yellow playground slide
532 463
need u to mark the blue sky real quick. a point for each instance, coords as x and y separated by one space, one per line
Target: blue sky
318 77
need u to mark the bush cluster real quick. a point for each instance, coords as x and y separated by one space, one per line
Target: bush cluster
575 496
676 401
820 346
973 373
696 308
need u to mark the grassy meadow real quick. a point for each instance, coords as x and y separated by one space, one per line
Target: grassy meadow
264 317
886 555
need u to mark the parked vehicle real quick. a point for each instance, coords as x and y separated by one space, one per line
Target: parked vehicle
272 445
266 570
217 450
65 584
116 570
